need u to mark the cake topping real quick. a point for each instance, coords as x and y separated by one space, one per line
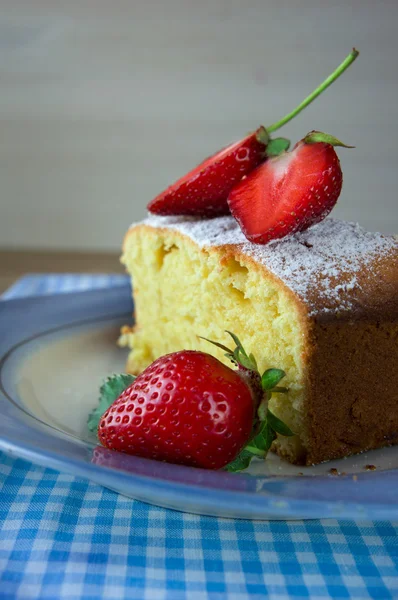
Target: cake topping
204 190
290 192
269 198
334 257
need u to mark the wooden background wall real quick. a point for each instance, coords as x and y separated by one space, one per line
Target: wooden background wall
104 103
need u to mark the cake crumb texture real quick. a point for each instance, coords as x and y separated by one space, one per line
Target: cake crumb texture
335 258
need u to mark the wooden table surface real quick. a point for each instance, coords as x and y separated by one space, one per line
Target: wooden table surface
15 263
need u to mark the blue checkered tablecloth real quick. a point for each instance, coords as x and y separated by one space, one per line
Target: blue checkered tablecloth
65 538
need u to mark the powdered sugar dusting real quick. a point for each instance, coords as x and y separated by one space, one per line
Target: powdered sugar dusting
326 257
219 231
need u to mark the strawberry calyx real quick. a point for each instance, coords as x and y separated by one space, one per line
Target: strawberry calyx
266 425
239 355
276 146
262 135
314 137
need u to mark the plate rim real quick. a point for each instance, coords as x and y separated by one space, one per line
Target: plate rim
264 506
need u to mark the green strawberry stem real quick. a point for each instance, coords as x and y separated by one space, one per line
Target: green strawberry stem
328 81
256 451
280 390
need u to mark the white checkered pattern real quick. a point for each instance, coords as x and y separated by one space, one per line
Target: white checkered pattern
62 538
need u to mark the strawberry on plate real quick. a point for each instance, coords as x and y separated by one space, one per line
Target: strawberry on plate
189 408
204 190
290 192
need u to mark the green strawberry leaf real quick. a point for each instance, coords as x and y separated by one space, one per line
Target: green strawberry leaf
257 440
244 360
314 137
271 377
260 444
253 362
263 407
241 462
262 135
237 341
240 354
278 425
109 391
277 146
270 436
227 350
264 438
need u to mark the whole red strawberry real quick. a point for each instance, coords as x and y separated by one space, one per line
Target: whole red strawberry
186 408
203 191
189 408
289 192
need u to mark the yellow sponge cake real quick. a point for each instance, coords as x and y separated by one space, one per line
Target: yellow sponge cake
322 305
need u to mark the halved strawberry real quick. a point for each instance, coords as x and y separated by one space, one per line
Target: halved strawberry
289 192
203 191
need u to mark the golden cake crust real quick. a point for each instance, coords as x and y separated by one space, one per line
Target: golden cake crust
335 268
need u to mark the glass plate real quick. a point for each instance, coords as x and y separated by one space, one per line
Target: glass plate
55 352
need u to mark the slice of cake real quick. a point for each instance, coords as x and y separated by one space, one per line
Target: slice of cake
322 305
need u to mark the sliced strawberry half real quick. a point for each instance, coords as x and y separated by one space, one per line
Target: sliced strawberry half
290 192
203 191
